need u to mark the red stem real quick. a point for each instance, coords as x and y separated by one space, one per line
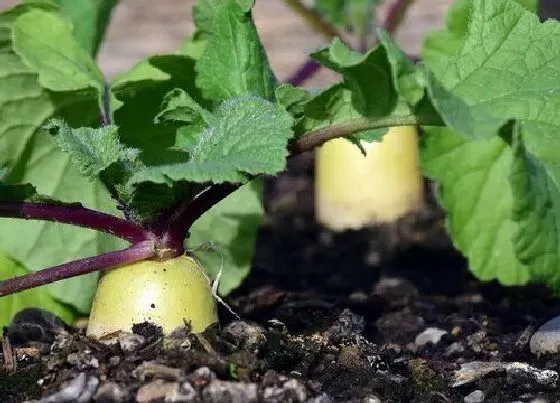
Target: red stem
141 251
77 215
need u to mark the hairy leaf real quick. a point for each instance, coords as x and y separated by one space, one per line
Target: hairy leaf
91 150
248 136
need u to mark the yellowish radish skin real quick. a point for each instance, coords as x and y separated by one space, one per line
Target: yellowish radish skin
353 191
168 293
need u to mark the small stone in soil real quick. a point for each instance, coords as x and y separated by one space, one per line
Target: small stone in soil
546 340
476 396
431 335
454 348
519 373
150 369
111 392
78 389
155 391
231 392
130 342
347 325
472 371
248 336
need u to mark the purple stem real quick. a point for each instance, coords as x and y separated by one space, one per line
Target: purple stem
304 73
141 251
78 215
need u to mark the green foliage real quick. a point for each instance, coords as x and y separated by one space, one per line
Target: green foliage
35 298
44 73
213 113
235 55
93 151
479 82
246 136
473 174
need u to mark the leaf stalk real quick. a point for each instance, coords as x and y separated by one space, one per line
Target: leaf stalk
77 215
141 251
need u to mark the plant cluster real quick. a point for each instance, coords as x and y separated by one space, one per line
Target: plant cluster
169 155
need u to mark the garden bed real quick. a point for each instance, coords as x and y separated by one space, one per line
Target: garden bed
324 317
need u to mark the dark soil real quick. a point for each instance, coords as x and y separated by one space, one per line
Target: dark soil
325 317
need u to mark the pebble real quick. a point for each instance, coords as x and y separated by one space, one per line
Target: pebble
155 391
79 389
431 335
232 392
474 397
152 370
472 371
519 373
183 394
346 325
111 392
546 340
454 348
245 335
130 342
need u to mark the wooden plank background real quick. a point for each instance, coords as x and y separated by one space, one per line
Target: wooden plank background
144 27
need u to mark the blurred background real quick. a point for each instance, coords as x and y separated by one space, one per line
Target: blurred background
141 28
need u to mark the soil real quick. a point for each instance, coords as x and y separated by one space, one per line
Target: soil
325 317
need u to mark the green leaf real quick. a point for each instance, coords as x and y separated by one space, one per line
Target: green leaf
90 18
504 67
91 150
204 14
138 96
536 187
45 43
40 244
190 118
231 227
34 298
234 62
248 136
475 190
369 77
137 101
408 78
334 106
26 68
